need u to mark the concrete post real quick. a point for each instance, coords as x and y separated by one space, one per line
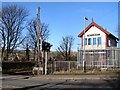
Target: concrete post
45 62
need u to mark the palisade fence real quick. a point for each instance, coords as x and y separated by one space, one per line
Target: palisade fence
65 65
58 66
103 58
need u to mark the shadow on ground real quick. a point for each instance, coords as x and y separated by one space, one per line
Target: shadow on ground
70 85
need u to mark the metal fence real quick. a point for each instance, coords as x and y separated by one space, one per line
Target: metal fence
58 66
109 57
103 58
65 65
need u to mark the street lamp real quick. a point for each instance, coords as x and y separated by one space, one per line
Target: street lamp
84 61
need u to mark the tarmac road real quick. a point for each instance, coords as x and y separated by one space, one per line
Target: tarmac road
36 83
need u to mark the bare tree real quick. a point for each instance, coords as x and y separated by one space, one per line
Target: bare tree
13 19
32 35
65 46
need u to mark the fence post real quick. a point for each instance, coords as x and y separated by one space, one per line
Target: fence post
99 60
84 66
101 63
77 57
55 66
113 56
69 66
118 56
106 58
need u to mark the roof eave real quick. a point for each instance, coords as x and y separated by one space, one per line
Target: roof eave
93 24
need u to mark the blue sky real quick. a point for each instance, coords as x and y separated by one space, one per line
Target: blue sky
67 18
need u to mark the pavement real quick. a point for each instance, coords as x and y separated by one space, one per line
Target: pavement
73 82
64 77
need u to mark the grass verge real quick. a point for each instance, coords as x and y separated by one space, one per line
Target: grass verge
86 73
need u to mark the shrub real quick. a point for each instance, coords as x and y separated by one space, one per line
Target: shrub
17 66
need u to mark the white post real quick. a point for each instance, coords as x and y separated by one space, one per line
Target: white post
83 66
46 61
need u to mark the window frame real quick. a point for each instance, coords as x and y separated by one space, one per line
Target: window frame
99 40
89 41
94 41
85 41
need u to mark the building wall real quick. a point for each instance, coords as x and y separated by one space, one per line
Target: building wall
111 42
97 33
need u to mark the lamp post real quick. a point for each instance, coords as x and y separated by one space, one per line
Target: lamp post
84 61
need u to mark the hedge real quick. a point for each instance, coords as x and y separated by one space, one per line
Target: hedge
17 66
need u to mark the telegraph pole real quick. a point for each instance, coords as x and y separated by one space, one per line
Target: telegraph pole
39 37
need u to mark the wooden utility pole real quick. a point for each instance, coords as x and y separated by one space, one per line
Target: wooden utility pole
39 37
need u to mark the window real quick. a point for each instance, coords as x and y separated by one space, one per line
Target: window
89 41
99 40
94 41
109 42
85 41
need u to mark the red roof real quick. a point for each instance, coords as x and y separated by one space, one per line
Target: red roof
94 24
